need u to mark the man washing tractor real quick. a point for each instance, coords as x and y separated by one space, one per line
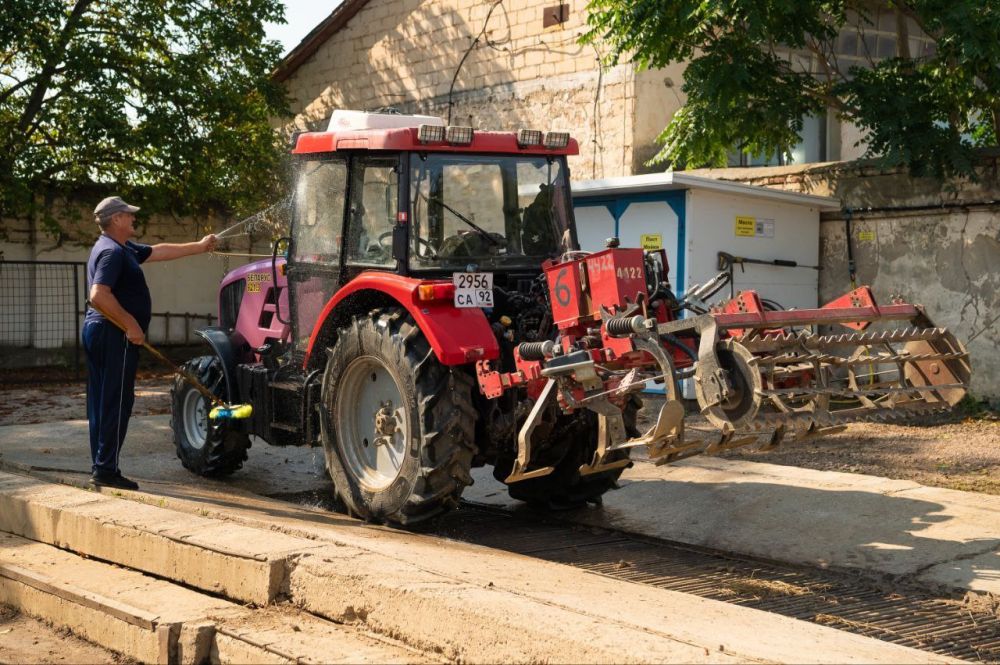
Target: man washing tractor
116 286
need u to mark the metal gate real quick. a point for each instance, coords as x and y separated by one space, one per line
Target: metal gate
41 308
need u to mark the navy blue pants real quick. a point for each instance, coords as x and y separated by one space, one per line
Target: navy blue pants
111 365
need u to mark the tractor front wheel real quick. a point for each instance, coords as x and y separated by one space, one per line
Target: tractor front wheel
398 427
206 447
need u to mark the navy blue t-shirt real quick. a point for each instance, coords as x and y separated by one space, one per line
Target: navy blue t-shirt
117 266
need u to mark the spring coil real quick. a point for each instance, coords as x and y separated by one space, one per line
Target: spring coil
535 350
622 327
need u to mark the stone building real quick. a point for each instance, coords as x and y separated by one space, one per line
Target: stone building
518 63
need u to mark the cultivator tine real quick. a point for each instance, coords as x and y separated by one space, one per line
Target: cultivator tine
520 472
666 433
610 437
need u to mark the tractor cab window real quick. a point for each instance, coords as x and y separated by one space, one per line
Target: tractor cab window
319 211
317 235
491 211
372 211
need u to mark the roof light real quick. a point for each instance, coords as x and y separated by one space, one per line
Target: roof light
526 137
458 135
430 133
556 139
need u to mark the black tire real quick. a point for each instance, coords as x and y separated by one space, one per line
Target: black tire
435 449
575 437
212 450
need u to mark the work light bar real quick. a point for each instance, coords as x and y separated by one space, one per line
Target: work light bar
430 133
458 135
528 137
556 139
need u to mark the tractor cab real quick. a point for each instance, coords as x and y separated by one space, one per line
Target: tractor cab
411 196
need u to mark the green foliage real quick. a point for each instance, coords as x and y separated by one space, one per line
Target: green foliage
747 88
167 100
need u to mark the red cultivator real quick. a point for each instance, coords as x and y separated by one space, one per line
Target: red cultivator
759 376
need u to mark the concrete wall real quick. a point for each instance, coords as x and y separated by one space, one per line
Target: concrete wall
932 243
188 285
406 53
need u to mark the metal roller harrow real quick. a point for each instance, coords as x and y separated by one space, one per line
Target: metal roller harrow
792 386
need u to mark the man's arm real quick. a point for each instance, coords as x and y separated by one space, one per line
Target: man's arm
105 301
168 251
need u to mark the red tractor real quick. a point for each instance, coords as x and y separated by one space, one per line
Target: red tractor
432 312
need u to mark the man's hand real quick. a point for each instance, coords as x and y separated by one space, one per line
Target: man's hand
208 243
134 334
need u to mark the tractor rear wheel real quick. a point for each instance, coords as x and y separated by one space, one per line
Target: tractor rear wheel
398 426
206 447
565 488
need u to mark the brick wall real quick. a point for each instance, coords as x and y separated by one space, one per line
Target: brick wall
405 54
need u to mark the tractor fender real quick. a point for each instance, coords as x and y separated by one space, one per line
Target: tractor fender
229 346
456 335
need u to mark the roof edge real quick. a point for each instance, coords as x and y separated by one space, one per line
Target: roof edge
328 27
667 180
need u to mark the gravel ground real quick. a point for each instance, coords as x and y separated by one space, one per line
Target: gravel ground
958 452
24 404
24 639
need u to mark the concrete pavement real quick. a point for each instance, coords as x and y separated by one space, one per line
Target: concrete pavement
935 537
938 538
462 601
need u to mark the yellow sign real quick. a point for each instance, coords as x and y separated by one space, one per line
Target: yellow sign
254 279
746 226
651 240
868 236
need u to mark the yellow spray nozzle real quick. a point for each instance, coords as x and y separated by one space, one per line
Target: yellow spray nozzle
237 412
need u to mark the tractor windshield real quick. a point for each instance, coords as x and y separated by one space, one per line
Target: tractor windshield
489 210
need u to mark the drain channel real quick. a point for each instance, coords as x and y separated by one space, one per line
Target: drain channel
904 616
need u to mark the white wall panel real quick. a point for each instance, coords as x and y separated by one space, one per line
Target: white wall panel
594 225
711 228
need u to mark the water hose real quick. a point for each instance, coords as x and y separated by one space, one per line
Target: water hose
220 410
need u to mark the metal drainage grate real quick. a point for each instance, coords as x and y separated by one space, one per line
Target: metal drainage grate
905 617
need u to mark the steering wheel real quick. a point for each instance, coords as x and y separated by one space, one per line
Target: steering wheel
387 235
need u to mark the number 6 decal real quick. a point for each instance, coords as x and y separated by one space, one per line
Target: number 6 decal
562 292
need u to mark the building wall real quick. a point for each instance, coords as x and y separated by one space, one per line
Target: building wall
405 54
188 285
937 244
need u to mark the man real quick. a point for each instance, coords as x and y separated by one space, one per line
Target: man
117 286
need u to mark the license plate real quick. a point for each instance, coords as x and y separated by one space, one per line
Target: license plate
473 289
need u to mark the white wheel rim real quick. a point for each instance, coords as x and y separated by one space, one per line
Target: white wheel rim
195 414
372 425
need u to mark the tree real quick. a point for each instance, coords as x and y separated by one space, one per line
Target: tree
169 100
749 85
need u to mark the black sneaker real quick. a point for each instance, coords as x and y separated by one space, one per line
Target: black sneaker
116 480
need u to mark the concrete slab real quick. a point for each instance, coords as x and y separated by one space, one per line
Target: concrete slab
473 603
276 634
936 537
235 561
118 609
476 612
155 621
